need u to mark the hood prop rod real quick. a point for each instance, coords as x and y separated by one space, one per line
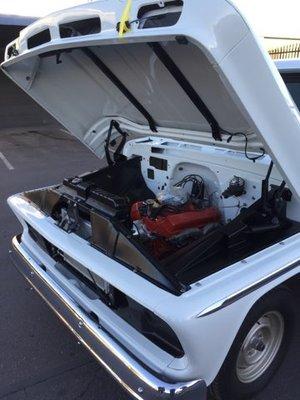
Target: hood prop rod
171 66
116 81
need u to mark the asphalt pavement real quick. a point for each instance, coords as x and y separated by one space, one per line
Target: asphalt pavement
39 358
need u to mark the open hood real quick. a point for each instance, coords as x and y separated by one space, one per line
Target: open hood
191 70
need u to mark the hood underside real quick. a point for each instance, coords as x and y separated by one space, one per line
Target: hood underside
199 79
80 94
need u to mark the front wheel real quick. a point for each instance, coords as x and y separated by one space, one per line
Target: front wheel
258 349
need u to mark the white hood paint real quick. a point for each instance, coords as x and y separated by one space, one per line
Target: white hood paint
223 61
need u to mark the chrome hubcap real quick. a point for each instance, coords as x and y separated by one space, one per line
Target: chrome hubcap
260 347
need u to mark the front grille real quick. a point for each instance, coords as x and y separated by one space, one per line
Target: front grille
143 320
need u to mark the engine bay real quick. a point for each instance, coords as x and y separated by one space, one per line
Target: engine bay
171 211
172 220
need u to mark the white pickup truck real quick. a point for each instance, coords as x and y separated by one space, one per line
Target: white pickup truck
177 265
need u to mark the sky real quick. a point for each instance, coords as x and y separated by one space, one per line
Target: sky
268 17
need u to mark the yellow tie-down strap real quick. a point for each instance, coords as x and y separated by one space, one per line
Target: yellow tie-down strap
124 23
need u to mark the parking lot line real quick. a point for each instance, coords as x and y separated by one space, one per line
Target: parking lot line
6 162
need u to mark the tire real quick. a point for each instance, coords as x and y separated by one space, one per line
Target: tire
246 372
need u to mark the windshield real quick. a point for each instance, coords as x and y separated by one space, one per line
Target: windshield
293 84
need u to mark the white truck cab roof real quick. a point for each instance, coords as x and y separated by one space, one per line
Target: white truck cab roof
194 71
291 65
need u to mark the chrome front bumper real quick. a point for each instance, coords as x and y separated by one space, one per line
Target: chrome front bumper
140 382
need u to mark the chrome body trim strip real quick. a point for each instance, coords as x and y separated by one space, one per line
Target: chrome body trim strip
135 378
247 290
